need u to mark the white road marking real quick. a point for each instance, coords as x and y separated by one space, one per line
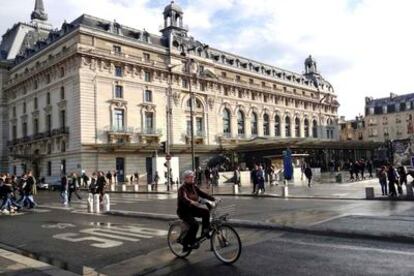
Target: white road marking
103 243
346 247
58 226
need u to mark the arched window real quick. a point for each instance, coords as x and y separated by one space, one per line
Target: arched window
226 121
254 123
314 129
277 125
266 125
240 123
306 123
287 127
297 127
329 129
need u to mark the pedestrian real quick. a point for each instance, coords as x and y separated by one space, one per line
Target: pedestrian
155 182
382 175
302 168
402 172
101 183
64 187
351 170
260 176
93 186
207 175
370 167
115 174
74 187
355 168
392 180
253 176
308 174
28 191
85 179
362 168
236 176
109 177
199 176
136 177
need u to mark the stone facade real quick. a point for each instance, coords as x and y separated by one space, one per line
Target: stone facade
96 95
352 130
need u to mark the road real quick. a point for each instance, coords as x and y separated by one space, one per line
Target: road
80 242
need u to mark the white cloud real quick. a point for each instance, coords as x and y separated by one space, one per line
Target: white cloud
363 47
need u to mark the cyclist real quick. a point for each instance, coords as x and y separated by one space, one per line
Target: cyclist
189 208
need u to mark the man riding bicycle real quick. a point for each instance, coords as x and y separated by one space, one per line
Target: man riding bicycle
189 208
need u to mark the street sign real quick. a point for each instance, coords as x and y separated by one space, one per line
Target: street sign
168 157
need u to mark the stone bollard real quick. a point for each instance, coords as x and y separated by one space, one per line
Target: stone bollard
123 188
369 193
235 189
112 188
106 203
96 204
136 188
285 189
149 187
90 203
410 193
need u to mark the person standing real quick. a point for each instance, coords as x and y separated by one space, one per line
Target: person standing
236 176
74 187
362 168
253 176
355 168
115 174
382 175
109 177
370 168
207 175
199 176
93 186
403 179
351 170
155 182
392 180
101 183
308 175
260 180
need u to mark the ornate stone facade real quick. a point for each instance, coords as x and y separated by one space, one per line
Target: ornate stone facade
96 93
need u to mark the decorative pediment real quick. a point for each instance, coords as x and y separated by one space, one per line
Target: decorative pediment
62 104
119 103
24 118
35 114
48 109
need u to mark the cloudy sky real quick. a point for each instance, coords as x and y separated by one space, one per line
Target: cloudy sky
363 47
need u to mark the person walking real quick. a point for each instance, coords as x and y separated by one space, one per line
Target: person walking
109 177
382 175
356 168
207 174
28 190
93 187
199 176
74 187
351 170
101 183
370 168
362 168
308 175
260 176
155 182
392 180
403 179
64 187
237 176
253 176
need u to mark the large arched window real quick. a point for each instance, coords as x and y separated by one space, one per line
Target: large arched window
266 125
297 127
240 123
329 129
226 121
254 123
306 124
277 125
287 127
314 129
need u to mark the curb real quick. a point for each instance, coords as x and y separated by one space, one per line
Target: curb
271 226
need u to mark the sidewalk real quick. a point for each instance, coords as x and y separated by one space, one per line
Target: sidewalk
15 264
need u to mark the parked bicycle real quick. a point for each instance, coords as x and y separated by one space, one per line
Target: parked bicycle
224 240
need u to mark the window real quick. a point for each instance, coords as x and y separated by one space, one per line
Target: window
119 91
35 85
265 97
14 111
49 148
35 103
286 101
63 167
24 129
297 127
118 120
14 132
118 71
62 118
199 126
35 126
314 129
148 96
240 94
24 108
63 146
49 122
277 125
149 122
263 84
188 127
224 74
185 83
147 76
287 127
49 168
254 123
306 123
266 125
226 91
147 57
62 93
253 96
47 78
240 123
62 72
117 50
48 98
238 78
226 121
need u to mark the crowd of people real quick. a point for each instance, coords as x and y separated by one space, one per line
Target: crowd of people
358 168
394 177
17 193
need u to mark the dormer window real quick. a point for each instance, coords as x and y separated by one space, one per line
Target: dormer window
117 50
118 71
119 91
147 57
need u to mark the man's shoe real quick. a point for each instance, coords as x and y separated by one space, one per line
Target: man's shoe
195 245
185 249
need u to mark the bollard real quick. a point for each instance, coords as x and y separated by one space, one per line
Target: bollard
149 187
410 193
136 188
285 189
112 189
106 203
235 189
369 193
123 188
90 203
65 198
96 204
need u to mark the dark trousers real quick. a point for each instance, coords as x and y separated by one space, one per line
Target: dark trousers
189 218
391 188
75 192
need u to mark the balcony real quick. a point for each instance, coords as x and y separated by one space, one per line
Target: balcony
149 135
40 136
118 134
199 137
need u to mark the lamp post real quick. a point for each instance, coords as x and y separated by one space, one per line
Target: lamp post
189 63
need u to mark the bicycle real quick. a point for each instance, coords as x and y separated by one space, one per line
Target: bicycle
224 240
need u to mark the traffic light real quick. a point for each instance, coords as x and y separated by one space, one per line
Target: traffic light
164 147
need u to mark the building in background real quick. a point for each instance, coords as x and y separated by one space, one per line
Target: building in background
98 95
352 130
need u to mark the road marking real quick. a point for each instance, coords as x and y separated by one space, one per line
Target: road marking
347 247
58 226
103 243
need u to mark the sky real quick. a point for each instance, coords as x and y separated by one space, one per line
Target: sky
362 47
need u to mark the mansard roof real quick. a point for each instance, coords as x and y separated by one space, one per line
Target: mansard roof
392 99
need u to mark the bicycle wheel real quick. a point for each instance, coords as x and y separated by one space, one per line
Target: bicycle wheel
175 235
226 244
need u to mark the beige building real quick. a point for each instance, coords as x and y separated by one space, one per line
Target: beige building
352 130
96 95
389 118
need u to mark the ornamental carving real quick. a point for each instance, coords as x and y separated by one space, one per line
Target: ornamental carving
210 102
176 98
